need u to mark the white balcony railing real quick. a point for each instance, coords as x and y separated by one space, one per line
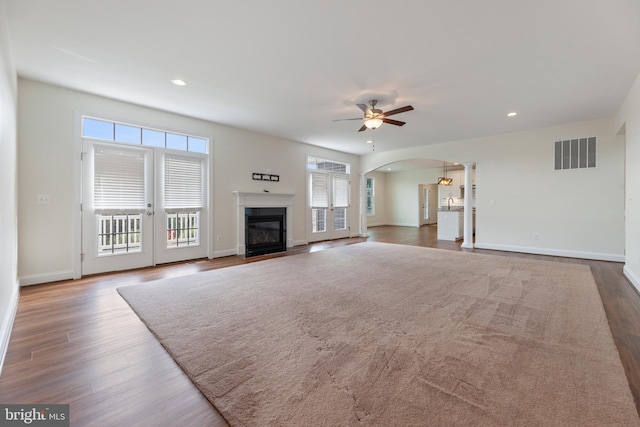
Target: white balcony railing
119 233
122 233
183 229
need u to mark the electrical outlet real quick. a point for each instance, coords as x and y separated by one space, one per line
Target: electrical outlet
43 199
536 236
218 237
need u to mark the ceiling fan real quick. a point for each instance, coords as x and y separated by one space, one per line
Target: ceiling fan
374 117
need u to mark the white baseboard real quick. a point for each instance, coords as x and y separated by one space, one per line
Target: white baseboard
223 253
300 242
35 279
7 325
400 224
632 277
376 224
552 252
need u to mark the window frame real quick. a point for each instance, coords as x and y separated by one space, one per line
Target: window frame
370 196
115 124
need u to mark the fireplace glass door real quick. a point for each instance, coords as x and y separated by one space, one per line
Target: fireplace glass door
265 231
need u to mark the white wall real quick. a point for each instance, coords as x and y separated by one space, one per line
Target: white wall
403 189
48 164
8 204
575 213
628 120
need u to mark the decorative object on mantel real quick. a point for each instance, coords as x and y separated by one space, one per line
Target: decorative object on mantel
443 180
265 177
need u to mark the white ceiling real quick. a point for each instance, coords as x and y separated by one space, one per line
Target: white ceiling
289 67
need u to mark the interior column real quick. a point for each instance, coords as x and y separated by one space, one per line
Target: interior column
468 206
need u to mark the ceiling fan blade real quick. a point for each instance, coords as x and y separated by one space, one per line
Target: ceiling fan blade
341 120
365 108
362 128
393 122
398 110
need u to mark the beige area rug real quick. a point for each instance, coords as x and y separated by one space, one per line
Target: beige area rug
392 335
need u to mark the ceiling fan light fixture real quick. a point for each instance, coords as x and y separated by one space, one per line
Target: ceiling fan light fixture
373 123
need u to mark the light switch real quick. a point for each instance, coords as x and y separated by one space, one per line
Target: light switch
43 199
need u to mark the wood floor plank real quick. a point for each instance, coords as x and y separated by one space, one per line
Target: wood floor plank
78 342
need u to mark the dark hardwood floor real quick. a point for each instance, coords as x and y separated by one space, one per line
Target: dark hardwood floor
78 342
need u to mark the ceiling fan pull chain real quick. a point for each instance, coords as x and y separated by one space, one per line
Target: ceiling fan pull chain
373 139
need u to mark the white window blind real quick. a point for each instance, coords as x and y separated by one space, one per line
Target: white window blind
183 184
118 180
319 193
340 191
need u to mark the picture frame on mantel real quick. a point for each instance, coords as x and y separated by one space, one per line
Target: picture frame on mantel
265 177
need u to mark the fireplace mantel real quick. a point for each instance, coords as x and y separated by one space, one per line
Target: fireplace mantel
262 200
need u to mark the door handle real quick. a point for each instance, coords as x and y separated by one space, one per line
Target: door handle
149 213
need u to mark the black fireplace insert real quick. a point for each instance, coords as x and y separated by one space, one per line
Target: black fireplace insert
265 230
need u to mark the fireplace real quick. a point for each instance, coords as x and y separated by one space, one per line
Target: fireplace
265 231
263 200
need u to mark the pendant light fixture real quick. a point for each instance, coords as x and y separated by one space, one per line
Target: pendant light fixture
443 180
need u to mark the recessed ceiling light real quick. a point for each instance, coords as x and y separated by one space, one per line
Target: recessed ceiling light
388 169
512 114
369 142
179 82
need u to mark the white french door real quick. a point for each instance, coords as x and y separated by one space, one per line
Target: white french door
141 206
117 207
181 207
328 208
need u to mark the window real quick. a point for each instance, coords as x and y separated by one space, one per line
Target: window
579 153
319 202
327 165
131 134
183 199
119 199
370 197
119 234
340 202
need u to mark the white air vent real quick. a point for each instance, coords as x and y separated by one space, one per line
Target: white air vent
577 153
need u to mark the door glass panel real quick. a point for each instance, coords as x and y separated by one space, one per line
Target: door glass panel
183 229
119 234
318 220
340 219
425 205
